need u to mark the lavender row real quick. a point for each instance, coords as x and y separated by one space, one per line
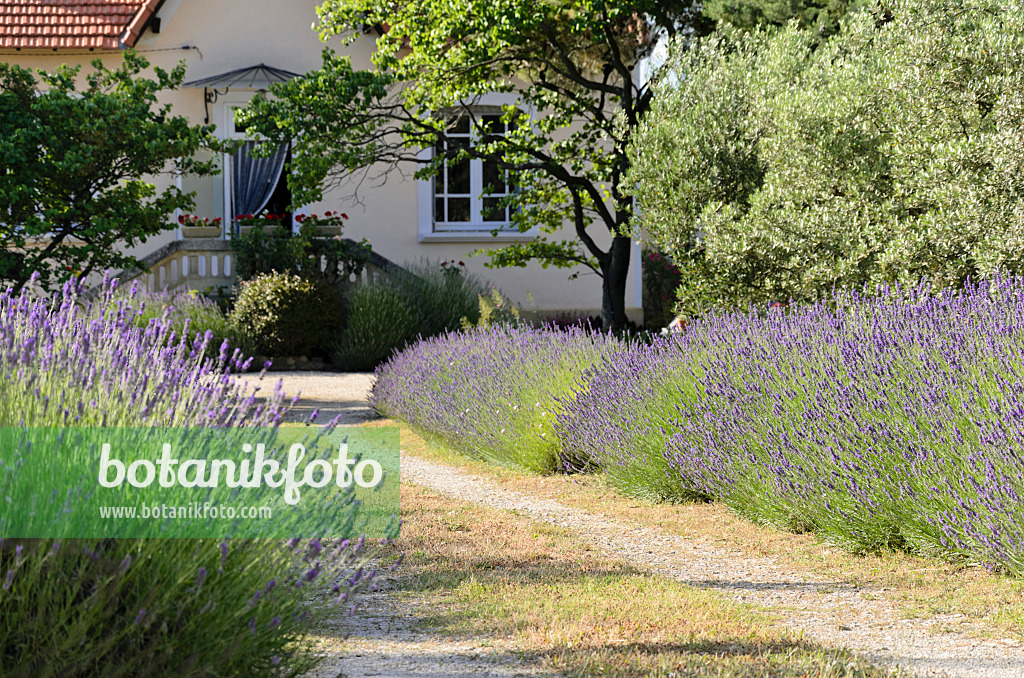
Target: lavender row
493 393
895 421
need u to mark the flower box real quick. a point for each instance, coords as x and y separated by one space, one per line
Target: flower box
201 231
193 226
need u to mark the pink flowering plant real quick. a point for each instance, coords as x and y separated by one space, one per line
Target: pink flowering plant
453 268
260 220
661 278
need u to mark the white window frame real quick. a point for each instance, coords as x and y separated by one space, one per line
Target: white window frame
471 231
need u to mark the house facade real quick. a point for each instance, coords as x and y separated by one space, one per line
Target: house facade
235 48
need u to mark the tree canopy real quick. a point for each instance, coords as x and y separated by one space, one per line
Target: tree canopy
777 168
72 162
569 66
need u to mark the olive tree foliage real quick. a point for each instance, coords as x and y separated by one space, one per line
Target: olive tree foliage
568 64
74 163
773 168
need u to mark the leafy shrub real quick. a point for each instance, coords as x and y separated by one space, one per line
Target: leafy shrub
777 168
379 322
494 310
153 607
493 393
283 314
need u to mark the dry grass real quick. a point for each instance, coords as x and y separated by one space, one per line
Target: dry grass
488 572
918 586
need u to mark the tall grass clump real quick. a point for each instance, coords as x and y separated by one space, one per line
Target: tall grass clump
379 321
493 393
387 314
442 295
895 421
149 607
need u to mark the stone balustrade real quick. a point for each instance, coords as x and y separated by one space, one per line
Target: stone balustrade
202 264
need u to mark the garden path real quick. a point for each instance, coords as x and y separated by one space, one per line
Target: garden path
387 642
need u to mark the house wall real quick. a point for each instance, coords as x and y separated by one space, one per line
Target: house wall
217 37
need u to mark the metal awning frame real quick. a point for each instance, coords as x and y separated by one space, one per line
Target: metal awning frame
257 77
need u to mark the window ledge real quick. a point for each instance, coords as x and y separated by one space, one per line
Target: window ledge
476 236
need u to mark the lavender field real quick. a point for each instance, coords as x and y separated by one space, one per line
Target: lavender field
889 422
149 607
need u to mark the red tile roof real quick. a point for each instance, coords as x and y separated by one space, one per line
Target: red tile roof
63 24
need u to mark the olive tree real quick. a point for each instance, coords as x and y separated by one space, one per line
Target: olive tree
775 167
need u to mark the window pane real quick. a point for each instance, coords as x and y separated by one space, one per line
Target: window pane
460 126
458 172
492 212
458 209
438 209
494 177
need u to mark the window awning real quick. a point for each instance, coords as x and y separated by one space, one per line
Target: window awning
255 77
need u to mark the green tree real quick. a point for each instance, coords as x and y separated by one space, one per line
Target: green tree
571 66
72 162
773 167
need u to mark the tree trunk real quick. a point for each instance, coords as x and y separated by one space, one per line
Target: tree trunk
614 268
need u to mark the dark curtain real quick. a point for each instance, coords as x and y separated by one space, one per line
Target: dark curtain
254 179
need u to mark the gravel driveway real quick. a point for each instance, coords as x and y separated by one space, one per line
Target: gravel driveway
332 393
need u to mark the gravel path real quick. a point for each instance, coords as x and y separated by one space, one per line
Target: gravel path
387 639
331 393
829 612
384 642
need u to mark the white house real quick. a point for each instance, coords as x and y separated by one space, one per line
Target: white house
233 49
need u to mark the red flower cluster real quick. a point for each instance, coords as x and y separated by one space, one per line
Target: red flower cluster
328 219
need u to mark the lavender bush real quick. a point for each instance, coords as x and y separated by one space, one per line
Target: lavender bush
889 422
186 311
895 421
492 392
156 607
